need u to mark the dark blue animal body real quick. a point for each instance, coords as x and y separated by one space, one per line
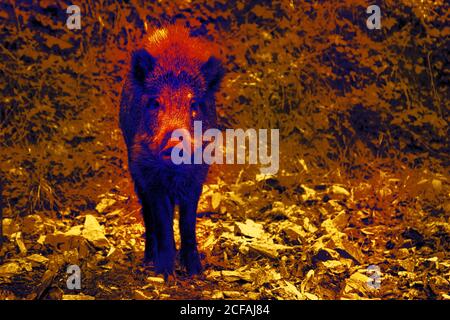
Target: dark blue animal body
171 83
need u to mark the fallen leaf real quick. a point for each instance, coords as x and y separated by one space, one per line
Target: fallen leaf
94 232
249 229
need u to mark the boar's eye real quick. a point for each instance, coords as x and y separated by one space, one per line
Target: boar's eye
152 104
195 108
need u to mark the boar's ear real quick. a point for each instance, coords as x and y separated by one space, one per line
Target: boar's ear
142 64
213 72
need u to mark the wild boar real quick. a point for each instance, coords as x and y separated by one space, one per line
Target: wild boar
172 82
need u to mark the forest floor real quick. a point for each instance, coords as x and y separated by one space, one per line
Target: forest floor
318 248
349 216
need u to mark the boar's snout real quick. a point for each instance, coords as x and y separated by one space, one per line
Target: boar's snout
174 144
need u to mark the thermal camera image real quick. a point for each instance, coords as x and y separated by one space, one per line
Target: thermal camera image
256 150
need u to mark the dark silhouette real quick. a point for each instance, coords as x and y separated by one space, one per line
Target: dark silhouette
172 82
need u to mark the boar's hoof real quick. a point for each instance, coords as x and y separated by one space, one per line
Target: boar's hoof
164 264
191 260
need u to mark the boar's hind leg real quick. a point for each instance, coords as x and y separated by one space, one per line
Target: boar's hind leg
161 207
188 215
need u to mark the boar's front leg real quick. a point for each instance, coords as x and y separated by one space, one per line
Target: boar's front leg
150 237
161 209
188 215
